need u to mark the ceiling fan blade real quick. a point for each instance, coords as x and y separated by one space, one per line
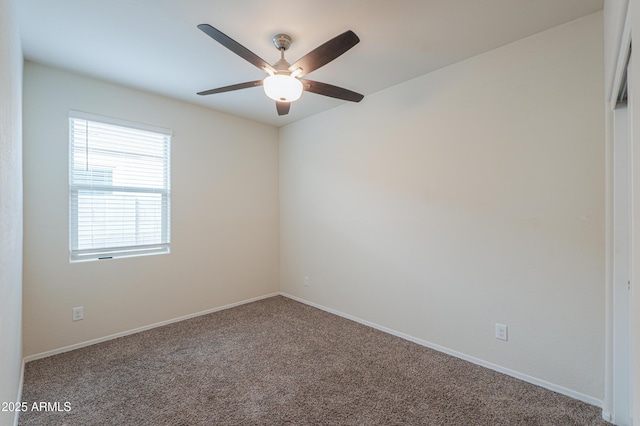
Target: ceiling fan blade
331 91
283 107
325 53
235 47
232 87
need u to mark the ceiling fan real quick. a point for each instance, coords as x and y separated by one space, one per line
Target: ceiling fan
284 83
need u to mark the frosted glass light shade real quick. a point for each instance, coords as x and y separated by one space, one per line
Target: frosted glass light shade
282 88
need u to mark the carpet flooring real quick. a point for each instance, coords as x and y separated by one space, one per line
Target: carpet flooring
280 362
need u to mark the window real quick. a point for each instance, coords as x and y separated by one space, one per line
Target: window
119 197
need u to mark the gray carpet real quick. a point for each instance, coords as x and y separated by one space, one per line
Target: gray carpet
278 362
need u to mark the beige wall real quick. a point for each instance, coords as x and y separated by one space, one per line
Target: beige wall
10 207
469 196
224 218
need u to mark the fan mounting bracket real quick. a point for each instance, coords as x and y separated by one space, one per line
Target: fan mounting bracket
282 41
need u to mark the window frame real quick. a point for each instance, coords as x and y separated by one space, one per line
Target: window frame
123 251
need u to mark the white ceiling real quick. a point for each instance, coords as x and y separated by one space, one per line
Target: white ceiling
154 45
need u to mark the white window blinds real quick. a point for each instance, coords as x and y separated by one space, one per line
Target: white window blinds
119 188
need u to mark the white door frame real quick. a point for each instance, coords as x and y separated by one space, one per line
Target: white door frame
621 339
622 243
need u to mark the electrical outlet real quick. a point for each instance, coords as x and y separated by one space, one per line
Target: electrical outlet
307 281
501 332
78 313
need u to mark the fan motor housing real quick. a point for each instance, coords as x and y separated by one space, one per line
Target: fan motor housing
282 41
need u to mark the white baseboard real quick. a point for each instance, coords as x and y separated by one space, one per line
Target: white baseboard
16 416
139 329
518 375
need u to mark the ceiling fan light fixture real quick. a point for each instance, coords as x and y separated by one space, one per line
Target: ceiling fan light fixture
282 88
285 82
